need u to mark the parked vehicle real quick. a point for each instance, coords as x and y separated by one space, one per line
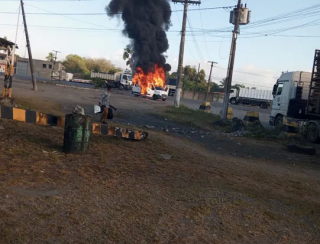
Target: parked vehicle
296 101
69 76
117 80
253 97
171 85
155 92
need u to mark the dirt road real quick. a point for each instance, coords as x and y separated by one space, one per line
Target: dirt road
239 110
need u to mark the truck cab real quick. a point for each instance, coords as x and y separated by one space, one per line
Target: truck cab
290 94
125 79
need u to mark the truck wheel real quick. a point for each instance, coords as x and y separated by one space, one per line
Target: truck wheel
263 105
233 101
121 87
163 99
155 97
313 133
278 123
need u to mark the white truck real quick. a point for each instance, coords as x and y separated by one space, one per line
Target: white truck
117 80
155 92
253 97
171 84
296 102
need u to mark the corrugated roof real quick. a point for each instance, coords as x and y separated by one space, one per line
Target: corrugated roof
4 42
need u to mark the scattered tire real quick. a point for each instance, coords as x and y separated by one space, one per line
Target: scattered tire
121 87
307 150
313 133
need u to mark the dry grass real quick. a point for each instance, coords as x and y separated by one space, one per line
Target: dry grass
190 117
38 104
124 192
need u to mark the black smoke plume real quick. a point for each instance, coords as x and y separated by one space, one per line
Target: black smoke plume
146 23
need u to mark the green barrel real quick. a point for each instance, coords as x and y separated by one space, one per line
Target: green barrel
77 132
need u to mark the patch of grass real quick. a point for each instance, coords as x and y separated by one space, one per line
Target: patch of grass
133 195
190 117
38 104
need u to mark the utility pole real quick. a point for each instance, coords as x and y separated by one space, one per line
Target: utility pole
208 89
199 68
54 63
34 82
177 95
231 64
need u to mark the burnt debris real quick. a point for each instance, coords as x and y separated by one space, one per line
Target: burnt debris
146 23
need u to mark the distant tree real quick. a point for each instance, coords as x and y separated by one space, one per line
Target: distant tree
98 64
201 76
50 57
127 53
223 82
214 87
115 70
239 86
173 75
75 64
6 38
190 73
254 88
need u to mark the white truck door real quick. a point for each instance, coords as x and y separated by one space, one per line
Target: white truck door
150 92
281 99
277 97
124 79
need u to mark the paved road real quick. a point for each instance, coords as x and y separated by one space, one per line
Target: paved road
238 110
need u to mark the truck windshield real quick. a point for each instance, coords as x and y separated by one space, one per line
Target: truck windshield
159 88
127 77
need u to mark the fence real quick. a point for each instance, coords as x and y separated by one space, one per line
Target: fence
212 96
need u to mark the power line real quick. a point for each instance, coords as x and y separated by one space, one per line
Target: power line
83 29
204 36
48 0
105 13
195 41
66 16
186 40
244 72
289 16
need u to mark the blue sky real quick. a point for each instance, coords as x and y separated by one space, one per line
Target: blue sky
256 53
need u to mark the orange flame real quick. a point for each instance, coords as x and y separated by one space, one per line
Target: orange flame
158 78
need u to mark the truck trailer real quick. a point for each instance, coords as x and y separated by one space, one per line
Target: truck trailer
117 80
296 102
253 97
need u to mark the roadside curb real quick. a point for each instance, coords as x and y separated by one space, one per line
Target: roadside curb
251 118
38 118
30 116
118 132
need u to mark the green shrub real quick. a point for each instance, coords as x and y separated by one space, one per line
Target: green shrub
98 83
